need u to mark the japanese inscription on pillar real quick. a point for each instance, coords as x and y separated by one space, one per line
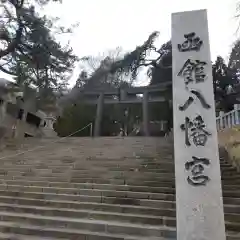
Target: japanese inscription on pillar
197 169
193 72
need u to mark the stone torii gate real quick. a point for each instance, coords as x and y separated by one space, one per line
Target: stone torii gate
125 96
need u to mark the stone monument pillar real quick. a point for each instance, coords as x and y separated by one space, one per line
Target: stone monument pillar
98 119
198 178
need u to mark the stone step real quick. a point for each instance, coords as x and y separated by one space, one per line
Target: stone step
5 236
122 145
102 190
89 235
90 155
233 236
84 168
166 218
161 189
231 200
22 171
231 193
17 231
99 225
229 173
226 165
90 158
109 227
128 172
116 204
232 226
149 216
231 208
119 205
118 165
228 170
125 145
12 236
79 163
69 179
89 192
163 157
134 182
90 174
118 181
233 177
104 178
125 177
162 219
21 168
82 163
130 197
232 217
111 178
230 187
229 184
139 180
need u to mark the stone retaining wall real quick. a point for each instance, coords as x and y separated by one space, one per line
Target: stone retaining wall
229 139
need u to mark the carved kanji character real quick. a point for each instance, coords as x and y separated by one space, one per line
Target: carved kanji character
193 71
196 166
192 43
196 130
191 99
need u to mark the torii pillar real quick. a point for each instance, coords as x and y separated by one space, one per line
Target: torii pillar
145 114
98 119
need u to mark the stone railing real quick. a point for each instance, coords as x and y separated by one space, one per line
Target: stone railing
229 119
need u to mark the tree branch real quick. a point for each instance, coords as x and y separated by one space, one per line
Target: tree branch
6 71
13 44
21 51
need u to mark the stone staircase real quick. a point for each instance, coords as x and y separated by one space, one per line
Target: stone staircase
93 189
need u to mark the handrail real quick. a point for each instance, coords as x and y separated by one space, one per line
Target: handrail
229 119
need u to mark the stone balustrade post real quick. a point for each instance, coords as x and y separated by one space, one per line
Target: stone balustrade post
236 112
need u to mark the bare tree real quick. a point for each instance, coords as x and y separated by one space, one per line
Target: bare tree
98 70
91 63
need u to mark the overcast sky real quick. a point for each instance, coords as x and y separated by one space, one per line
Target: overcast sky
107 24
